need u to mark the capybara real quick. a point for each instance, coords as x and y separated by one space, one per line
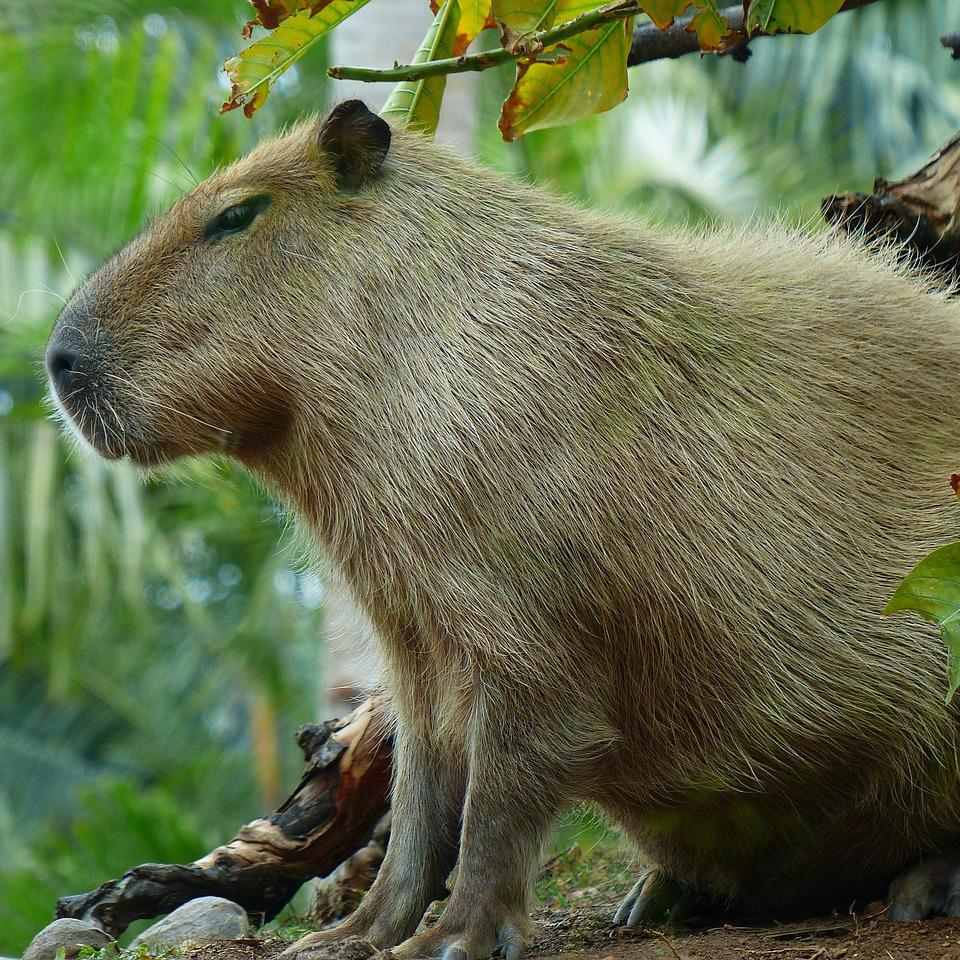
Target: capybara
624 506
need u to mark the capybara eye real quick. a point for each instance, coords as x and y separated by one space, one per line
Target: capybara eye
235 218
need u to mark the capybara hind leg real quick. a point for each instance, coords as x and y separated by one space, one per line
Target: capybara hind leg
930 888
655 898
427 802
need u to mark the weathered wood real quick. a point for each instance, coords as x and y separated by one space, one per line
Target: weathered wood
333 813
919 212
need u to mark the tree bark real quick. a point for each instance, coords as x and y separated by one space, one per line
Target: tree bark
331 816
919 212
650 43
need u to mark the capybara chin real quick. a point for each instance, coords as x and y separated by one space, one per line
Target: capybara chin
623 505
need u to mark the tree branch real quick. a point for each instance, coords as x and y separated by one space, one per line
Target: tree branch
650 43
341 799
522 46
952 42
920 214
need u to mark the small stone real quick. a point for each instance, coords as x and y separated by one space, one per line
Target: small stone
206 918
70 934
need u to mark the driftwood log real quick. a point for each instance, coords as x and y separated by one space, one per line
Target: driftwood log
330 821
919 212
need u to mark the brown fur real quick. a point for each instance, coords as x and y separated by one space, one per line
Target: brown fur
623 505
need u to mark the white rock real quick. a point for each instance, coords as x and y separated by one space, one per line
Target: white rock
206 918
68 933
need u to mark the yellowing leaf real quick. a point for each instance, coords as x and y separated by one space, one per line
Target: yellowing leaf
932 590
664 12
588 76
257 67
526 15
789 16
474 16
708 22
415 104
271 13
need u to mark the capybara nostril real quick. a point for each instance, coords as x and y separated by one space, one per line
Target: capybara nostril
62 365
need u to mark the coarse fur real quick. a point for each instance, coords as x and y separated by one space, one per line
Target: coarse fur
624 506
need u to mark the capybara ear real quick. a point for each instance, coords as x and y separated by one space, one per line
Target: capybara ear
357 140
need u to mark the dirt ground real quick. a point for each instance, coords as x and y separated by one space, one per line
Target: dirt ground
817 939
579 891
587 935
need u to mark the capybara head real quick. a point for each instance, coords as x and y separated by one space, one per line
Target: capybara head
180 343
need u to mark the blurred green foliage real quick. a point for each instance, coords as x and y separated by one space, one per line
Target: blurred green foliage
873 93
157 649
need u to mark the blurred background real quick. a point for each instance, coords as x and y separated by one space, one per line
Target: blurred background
160 640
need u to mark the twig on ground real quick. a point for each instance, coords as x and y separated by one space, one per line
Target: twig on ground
666 940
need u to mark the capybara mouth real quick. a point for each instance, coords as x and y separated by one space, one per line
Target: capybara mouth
86 397
99 421
93 411
99 425
92 419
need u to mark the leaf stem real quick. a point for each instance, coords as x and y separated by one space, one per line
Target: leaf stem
526 46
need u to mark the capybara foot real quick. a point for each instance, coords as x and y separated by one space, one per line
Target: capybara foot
654 898
929 889
337 943
442 942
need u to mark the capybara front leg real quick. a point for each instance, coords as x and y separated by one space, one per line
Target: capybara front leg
508 812
426 806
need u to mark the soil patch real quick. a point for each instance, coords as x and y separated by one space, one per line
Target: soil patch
587 934
579 890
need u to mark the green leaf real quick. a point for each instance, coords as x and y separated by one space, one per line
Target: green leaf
589 76
709 23
932 590
415 104
525 15
258 66
271 13
789 16
475 15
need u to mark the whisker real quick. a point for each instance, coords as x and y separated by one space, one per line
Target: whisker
78 330
163 406
193 176
63 260
50 293
121 427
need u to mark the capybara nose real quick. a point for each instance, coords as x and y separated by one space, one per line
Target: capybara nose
63 365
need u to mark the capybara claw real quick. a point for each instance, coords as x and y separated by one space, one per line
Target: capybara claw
929 889
462 944
454 952
316 945
305 947
510 946
654 898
